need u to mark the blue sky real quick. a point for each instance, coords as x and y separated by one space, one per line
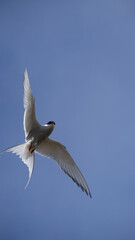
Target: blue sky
80 57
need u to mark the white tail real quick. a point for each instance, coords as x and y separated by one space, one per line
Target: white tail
27 157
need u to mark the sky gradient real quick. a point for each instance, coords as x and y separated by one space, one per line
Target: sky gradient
80 57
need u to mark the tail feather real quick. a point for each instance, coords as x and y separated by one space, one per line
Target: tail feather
27 157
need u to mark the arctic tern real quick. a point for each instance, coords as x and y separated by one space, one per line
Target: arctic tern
37 140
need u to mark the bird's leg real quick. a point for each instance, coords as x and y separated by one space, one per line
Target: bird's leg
30 147
31 143
32 150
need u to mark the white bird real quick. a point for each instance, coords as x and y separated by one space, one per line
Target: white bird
36 137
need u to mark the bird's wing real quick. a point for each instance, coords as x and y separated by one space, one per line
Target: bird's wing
29 105
29 160
58 152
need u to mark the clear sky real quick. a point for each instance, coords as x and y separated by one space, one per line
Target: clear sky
80 57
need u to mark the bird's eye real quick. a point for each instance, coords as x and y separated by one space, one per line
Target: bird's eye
51 122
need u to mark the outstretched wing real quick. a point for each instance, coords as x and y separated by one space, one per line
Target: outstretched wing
29 105
20 150
58 152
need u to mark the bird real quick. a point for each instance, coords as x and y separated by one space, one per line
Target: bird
37 141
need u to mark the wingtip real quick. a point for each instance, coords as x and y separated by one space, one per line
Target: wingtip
90 195
26 77
25 72
25 69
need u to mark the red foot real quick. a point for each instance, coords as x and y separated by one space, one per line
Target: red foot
30 147
32 151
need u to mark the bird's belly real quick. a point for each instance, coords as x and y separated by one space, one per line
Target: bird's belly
36 136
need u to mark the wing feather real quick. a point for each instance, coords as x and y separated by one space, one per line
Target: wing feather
29 106
58 152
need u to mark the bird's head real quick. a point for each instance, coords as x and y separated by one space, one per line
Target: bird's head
51 123
50 126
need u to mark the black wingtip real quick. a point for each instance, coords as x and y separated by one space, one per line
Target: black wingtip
90 195
79 185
